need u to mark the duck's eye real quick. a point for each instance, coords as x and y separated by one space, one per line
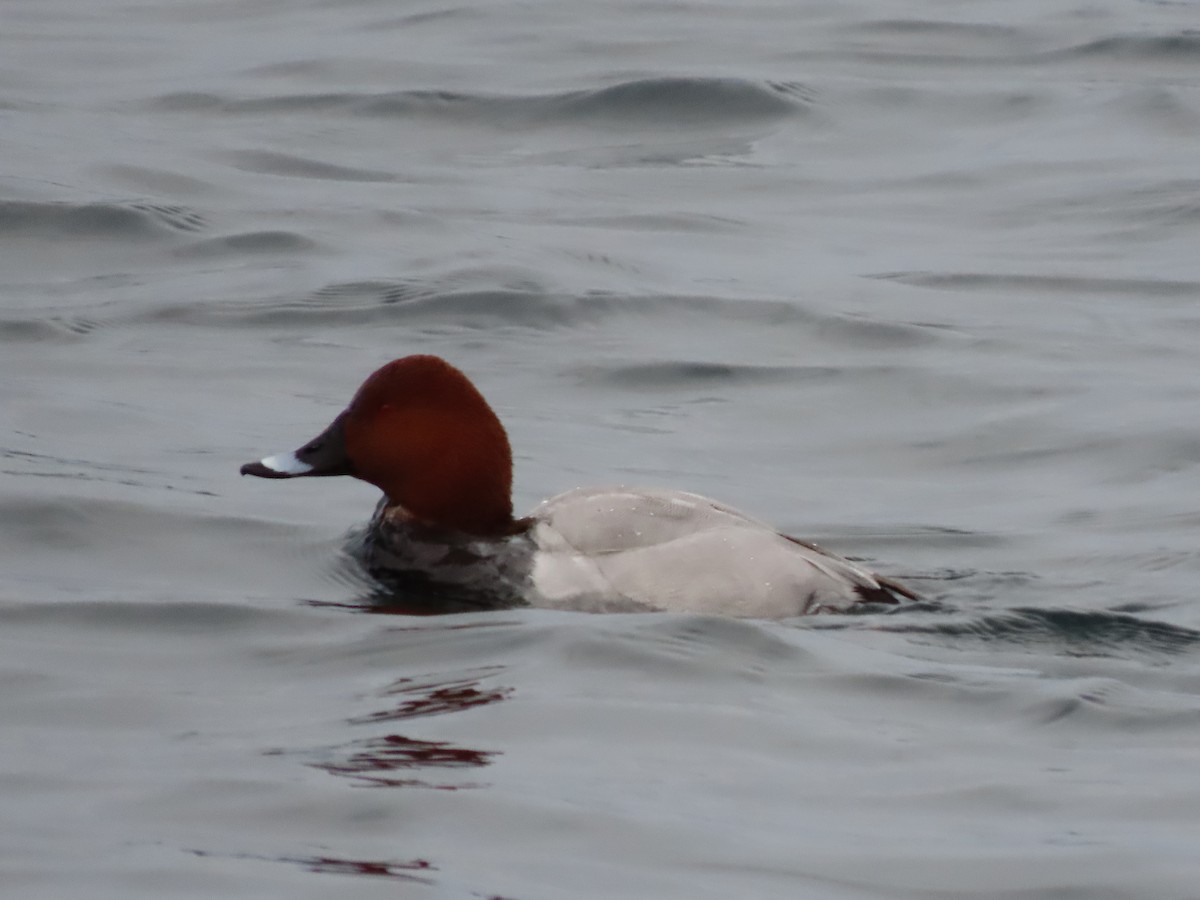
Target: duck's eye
386 407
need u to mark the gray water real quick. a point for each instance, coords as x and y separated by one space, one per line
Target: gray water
917 280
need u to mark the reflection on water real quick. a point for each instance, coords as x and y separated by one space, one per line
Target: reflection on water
365 760
368 759
423 698
400 871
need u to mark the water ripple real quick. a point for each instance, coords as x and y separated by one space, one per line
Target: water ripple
135 219
1065 632
657 100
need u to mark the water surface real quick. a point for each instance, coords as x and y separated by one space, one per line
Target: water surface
916 281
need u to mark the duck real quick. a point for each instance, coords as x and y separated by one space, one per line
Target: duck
420 431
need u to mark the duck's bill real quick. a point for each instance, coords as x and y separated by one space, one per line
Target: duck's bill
323 455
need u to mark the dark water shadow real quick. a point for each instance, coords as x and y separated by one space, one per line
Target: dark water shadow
1060 631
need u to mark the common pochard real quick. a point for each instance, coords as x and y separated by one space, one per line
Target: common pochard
421 432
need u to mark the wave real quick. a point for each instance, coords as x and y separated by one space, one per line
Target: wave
1064 632
290 166
686 374
477 300
1180 47
96 219
484 297
658 100
930 42
249 243
1066 284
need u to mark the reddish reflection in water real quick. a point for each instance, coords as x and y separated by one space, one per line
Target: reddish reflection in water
378 868
437 698
395 752
385 761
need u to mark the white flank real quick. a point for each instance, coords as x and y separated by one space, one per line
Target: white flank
286 464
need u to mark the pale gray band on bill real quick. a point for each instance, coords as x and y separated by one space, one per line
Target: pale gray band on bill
286 464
